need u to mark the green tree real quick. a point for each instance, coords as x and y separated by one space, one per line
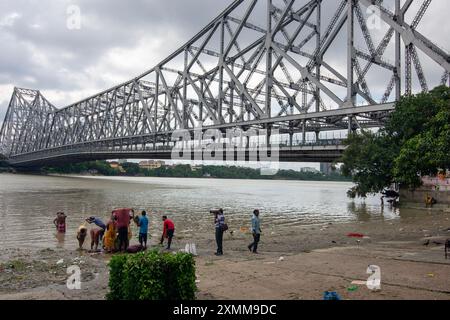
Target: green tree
415 142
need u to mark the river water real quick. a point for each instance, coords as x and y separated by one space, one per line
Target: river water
28 204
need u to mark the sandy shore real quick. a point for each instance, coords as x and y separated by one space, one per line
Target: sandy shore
315 259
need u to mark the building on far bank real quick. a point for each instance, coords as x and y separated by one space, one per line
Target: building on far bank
151 164
196 168
309 170
116 165
326 168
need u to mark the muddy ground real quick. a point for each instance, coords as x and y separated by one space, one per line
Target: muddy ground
294 263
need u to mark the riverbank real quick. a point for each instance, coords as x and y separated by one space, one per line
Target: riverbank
295 262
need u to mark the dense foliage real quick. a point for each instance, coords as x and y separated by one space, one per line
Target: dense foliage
152 276
100 167
186 171
415 142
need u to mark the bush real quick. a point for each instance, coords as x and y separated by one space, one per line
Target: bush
152 276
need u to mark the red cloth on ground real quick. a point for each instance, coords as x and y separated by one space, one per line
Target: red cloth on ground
355 235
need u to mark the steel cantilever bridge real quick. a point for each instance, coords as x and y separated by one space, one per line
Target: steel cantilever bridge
296 66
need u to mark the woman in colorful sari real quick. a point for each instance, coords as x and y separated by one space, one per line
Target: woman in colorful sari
109 239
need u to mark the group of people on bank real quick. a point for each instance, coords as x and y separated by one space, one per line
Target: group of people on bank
115 234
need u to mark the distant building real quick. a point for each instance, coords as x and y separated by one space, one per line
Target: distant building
116 165
326 168
151 164
309 170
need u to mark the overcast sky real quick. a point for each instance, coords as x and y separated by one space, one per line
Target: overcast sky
118 40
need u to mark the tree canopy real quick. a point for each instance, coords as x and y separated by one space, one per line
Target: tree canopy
415 142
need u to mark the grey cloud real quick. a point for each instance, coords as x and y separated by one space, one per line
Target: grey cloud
40 30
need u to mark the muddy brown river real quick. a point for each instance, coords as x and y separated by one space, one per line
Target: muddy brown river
28 204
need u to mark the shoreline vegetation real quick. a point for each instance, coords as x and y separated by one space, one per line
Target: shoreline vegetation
414 143
128 169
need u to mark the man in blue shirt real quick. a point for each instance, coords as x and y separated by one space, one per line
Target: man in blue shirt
256 230
143 229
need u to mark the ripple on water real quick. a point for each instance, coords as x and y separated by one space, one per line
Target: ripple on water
28 204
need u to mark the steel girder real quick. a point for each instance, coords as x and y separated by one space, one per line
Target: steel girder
240 71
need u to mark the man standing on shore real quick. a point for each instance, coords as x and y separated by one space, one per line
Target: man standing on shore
256 231
143 229
168 231
123 218
219 222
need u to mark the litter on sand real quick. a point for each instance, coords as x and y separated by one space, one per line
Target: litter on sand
191 248
281 259
355 235
269 262
327 295
359 283
60 262
352 288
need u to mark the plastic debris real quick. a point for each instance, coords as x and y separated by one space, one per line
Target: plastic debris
355 235
431 275
281 259
331 295
359 283
60 262
352 288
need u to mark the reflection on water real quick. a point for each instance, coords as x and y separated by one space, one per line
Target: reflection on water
28 204
60 237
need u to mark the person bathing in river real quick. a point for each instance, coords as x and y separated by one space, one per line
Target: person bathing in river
60 222
97 233
168 231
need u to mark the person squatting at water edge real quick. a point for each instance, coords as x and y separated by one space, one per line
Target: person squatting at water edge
81 235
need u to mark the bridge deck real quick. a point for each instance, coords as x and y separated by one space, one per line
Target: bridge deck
306 153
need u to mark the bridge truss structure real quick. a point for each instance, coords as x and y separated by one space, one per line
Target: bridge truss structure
295 66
